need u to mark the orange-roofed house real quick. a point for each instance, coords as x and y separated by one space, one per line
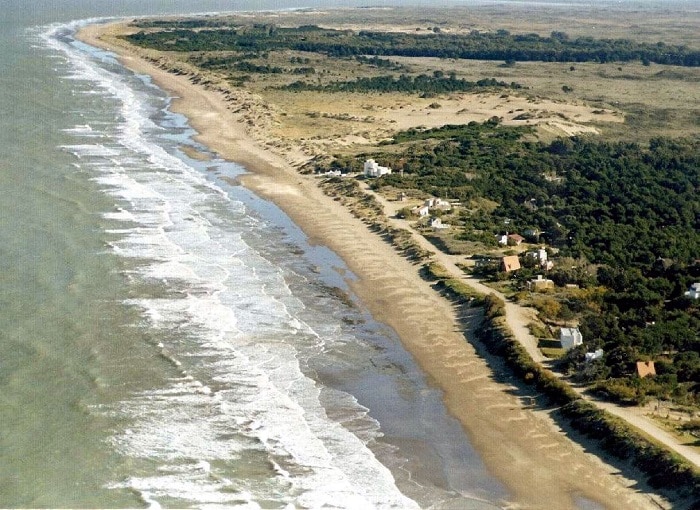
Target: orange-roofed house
516 239
510 263
645 368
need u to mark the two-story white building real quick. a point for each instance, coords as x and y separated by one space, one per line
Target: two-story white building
570 338
373 169
541 257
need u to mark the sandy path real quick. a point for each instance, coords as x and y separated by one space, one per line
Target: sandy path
636 417
521 447
518 318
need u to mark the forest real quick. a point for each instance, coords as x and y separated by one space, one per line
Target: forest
422 84
613 203
499 45
630 211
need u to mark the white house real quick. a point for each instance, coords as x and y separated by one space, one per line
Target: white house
694 292
438 203
437 224
372 169
570 337
592 356
421 211
540 283
541 257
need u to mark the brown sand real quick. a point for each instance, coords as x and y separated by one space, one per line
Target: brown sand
522 447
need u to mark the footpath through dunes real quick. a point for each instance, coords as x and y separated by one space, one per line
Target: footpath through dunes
540 466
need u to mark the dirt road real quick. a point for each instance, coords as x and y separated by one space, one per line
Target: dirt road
518 318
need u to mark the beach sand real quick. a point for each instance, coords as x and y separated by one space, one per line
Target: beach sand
522 447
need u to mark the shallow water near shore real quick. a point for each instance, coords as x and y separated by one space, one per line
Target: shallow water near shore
173 340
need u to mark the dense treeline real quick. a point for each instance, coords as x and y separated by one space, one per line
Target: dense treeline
436 84
613 203
407 84
199 22
630 210
381 63
239 63
500 45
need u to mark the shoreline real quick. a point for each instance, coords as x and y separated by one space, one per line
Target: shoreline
521 447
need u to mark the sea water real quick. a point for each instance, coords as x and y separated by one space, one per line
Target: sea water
170 339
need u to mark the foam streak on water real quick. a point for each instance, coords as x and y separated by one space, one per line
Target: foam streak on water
239 423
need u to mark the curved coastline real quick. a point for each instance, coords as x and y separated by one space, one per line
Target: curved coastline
522 447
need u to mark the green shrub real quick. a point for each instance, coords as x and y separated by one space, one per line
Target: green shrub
437 271
494 306
665 470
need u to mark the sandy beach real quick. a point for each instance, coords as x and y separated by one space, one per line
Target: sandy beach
522 447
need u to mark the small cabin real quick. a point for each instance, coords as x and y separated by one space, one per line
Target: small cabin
570 338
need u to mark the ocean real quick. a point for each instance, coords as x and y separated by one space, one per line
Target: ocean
169 339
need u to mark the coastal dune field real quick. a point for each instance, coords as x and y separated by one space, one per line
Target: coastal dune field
561 99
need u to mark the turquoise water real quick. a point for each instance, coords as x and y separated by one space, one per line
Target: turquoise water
171 340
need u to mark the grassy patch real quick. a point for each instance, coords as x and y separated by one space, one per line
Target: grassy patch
552 353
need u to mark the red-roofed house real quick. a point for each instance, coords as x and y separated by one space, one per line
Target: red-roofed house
510 263
516 238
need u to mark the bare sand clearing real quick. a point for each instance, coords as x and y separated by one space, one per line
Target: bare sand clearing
522 447
322 123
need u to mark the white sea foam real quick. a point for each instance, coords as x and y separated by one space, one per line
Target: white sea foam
83 130
230 327
87 150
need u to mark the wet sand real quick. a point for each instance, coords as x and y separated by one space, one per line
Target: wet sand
522 447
